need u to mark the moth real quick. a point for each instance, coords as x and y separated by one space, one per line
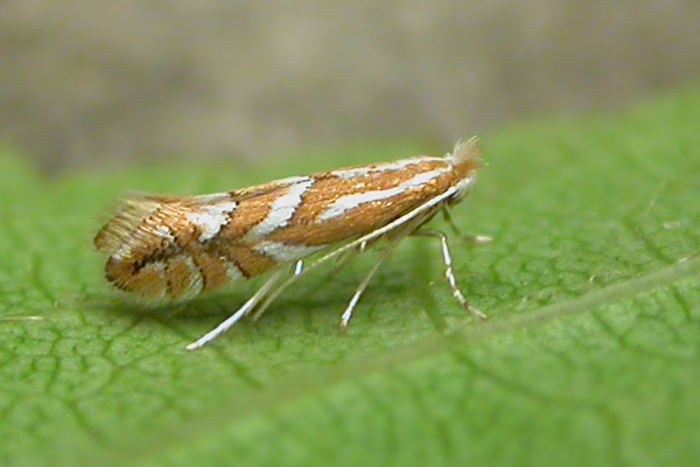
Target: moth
173 247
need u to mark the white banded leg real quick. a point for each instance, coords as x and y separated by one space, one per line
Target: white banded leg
240 313
449 272
473 239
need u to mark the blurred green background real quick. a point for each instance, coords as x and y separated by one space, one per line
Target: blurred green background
93 83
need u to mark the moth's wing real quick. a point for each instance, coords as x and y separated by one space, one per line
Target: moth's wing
153 250
134 209
263 189
128 213
171 246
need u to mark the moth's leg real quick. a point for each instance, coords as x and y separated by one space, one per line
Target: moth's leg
449 272
240 313
346 257
298 267
342 261
473 239
386 252
347 314
297 270
298 273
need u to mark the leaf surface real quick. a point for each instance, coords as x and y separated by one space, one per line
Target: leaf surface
591 355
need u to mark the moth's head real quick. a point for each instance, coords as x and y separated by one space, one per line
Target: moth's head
466 160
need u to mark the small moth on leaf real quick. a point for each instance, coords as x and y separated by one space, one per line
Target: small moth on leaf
170 247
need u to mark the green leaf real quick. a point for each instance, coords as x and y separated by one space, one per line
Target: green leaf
591 355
